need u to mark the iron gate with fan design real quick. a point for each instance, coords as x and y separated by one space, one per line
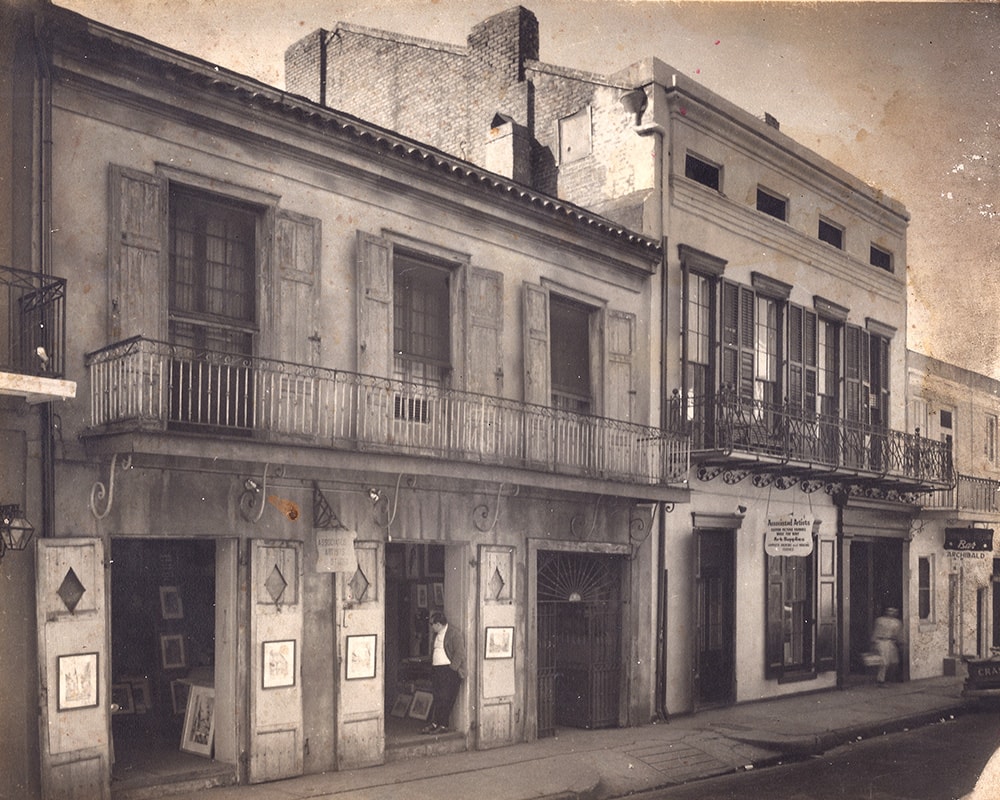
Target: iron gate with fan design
579 640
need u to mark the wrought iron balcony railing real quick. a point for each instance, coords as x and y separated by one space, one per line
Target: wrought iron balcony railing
980 495
144 384
34 338
817 442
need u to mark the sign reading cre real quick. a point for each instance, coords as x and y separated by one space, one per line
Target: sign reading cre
788 536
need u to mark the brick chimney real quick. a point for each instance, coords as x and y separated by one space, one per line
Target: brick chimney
505 41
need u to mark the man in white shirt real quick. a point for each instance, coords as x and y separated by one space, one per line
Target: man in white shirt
448 670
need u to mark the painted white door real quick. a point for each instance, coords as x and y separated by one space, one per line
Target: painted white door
360 630
73 670
276 745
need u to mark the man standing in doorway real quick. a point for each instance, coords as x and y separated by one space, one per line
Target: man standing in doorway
448 665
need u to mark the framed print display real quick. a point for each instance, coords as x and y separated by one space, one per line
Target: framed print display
171 606
199 721
278 664
421 595
421 706
172 650
439 594
179 691
78 681
499 643
121 699
402 705
140 695
361 656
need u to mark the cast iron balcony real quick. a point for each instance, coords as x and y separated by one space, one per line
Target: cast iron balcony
33 341
143 385
975 495
749 435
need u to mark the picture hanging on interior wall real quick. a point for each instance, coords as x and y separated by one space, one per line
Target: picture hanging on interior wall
78 681
179 691
361 656
121 699
279 664
439 594
172 650
421 595
500 642
199 721
171 606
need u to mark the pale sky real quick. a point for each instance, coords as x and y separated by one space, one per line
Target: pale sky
904 95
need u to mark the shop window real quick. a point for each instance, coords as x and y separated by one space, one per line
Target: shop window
772 205
831 234
702 171
925 588
880 258
213 272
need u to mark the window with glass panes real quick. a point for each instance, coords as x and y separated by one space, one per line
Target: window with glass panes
698 337
569 326
924 574
421 330
767 356
789 614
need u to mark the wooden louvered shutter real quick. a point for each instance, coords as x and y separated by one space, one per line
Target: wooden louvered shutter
297 245
137 287
856 374
536 346
775 609
826 602
620 342
801 359
738 339
374 305
484 358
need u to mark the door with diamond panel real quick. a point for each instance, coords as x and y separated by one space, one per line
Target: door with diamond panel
360 630
276 746
73 670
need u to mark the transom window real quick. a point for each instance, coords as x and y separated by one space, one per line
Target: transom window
704 172
771 204
831 234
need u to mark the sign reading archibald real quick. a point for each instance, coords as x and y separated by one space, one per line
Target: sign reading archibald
335 551
788 536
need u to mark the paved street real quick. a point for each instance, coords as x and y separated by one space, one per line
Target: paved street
940 761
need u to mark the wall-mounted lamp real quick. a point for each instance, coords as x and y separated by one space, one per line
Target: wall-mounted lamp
374 495
15 530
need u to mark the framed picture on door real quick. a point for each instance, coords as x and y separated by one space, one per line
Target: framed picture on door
78 681
361 656
278 668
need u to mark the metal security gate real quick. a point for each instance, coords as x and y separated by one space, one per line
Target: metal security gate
579 640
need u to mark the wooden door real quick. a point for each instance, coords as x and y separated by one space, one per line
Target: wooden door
716 610
73 670
360 631
276 744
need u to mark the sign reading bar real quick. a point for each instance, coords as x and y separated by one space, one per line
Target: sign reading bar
335 551
968 540
788 536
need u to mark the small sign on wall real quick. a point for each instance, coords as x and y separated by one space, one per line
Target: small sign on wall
789 535
335 551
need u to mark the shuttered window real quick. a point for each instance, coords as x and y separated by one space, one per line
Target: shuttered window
421 330
803 359
738 339
789 614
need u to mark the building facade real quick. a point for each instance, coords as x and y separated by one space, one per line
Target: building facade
781 319
955 592
327 380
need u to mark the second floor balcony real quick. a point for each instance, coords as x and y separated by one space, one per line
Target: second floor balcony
969 495
142 385
33 337
739 437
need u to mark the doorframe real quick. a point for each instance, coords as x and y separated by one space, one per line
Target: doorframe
531 659
730 534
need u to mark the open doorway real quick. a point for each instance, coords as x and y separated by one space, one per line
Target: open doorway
415 587
876 583
163 665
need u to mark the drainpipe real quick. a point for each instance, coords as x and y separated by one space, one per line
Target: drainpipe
43 185
635 102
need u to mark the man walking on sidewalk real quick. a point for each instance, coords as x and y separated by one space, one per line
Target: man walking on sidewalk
885 642
448 665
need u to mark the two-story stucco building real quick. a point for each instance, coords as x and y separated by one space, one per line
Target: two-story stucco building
328 381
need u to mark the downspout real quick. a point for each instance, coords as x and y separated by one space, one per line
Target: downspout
635 102
44 234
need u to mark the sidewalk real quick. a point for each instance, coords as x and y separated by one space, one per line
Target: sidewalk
594 765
